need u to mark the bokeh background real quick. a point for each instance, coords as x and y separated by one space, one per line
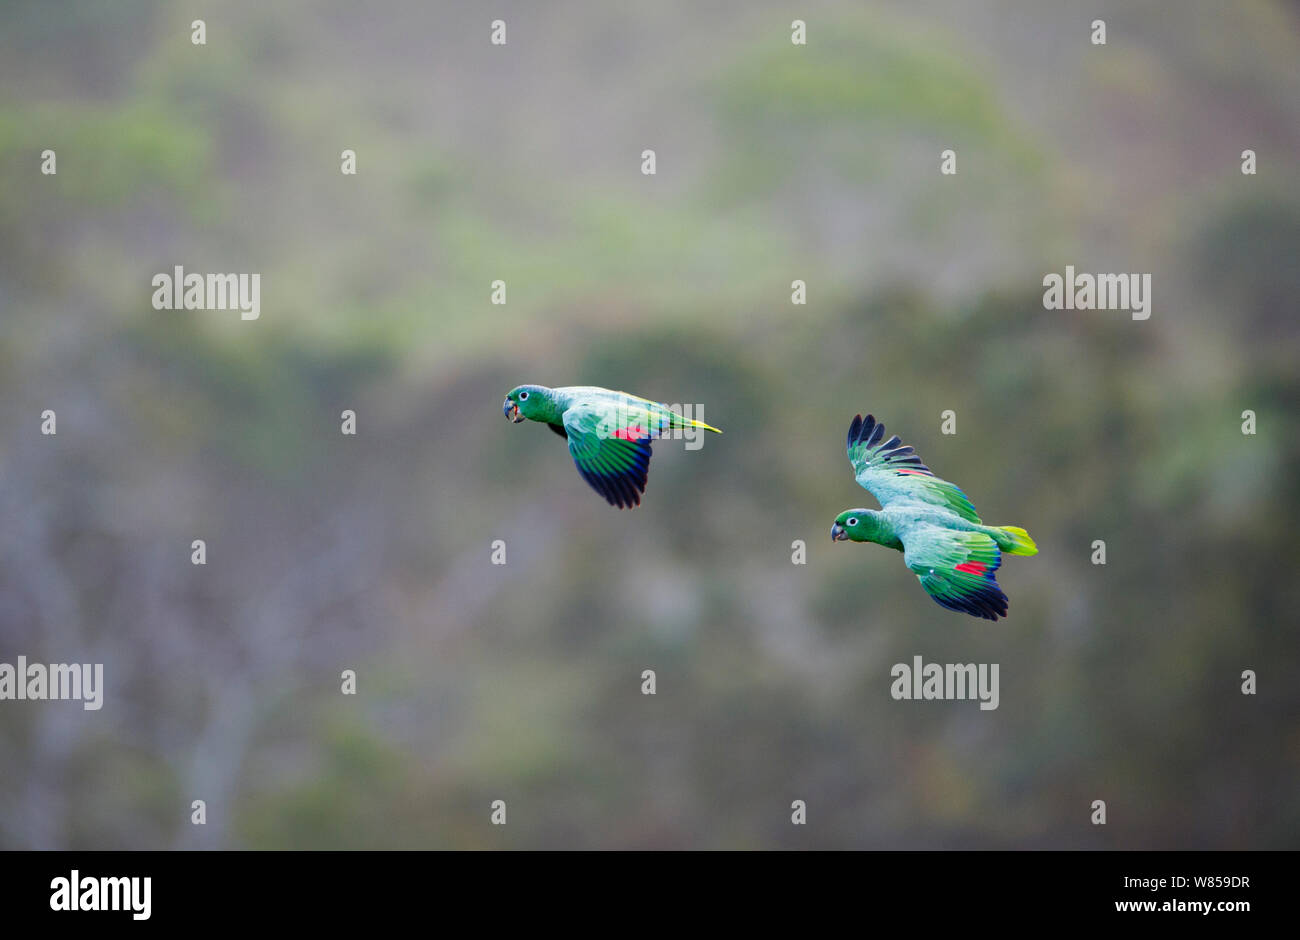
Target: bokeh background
522 162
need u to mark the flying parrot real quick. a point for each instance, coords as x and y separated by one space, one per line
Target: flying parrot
930 521
609 433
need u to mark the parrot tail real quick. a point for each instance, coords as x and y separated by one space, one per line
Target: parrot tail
1015 541
678 421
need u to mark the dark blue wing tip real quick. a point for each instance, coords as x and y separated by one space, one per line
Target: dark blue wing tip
861 428
870 433
989 603
622 489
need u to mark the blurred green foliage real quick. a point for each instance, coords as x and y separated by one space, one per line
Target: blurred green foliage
522 683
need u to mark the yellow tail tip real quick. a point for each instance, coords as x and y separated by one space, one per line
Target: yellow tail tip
1021 543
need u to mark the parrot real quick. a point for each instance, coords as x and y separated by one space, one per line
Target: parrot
609 433
930 521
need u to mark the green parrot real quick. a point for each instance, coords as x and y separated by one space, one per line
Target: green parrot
609 433
930 521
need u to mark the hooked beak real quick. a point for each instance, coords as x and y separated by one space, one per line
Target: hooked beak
511 411
837 533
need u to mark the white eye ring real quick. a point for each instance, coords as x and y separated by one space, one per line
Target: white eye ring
852 520
523 396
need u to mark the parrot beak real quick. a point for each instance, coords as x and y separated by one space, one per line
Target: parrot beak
837 533
511 411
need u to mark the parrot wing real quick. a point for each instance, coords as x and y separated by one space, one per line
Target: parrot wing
957 569
893 473
614 461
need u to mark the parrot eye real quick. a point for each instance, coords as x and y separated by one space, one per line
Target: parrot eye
523 396
852 520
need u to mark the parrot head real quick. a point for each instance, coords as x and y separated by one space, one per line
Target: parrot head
854 525
527 401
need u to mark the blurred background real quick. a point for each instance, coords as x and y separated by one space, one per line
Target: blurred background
523 683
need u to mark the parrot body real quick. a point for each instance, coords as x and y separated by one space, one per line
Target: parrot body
609 433
945 544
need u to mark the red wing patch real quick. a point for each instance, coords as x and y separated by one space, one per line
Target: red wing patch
632 432
919 473
972 567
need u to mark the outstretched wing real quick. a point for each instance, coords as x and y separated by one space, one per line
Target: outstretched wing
615 461
957 569
892 472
